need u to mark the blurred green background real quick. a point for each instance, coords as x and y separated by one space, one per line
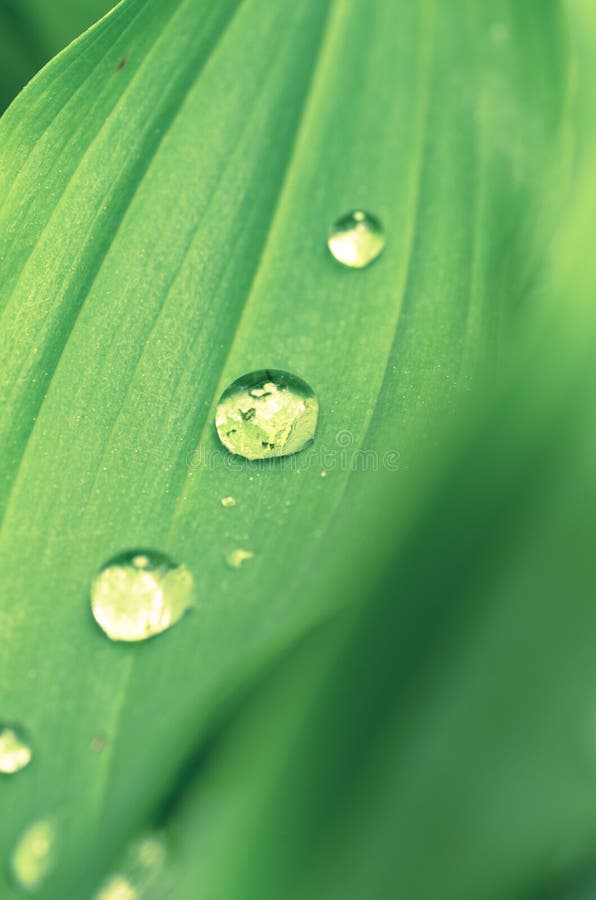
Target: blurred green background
33 31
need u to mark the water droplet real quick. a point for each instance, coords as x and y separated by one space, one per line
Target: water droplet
139 594
266 414
15 752
239 556
139 872
228 501
34 855
323 474
357 239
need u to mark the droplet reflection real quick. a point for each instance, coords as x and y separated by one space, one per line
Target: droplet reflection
266 414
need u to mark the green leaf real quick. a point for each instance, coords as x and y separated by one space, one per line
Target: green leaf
439 740
166 188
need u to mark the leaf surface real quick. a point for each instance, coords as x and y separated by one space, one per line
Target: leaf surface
166 189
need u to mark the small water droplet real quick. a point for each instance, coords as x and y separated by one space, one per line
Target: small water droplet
357 239
34 856
228 501
266 414
15 752
237 557
140 870
323 474
139 594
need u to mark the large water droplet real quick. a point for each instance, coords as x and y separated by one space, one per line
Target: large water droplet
357 239
267 413
139 872
34 855
139 594
15 752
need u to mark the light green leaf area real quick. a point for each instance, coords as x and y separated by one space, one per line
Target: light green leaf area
166 189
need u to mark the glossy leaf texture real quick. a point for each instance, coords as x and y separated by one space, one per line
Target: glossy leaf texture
166 189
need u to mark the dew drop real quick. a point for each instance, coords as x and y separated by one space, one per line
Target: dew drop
237 557
357 239
34 855
15 751
228 501
140 870
266 414
139 594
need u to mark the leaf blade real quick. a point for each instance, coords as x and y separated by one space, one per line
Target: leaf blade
130 391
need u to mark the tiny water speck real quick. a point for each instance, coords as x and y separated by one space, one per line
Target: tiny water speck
140 870
34 856
15 751
228 501
98 743
139 594
237 557
356 239
266 414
